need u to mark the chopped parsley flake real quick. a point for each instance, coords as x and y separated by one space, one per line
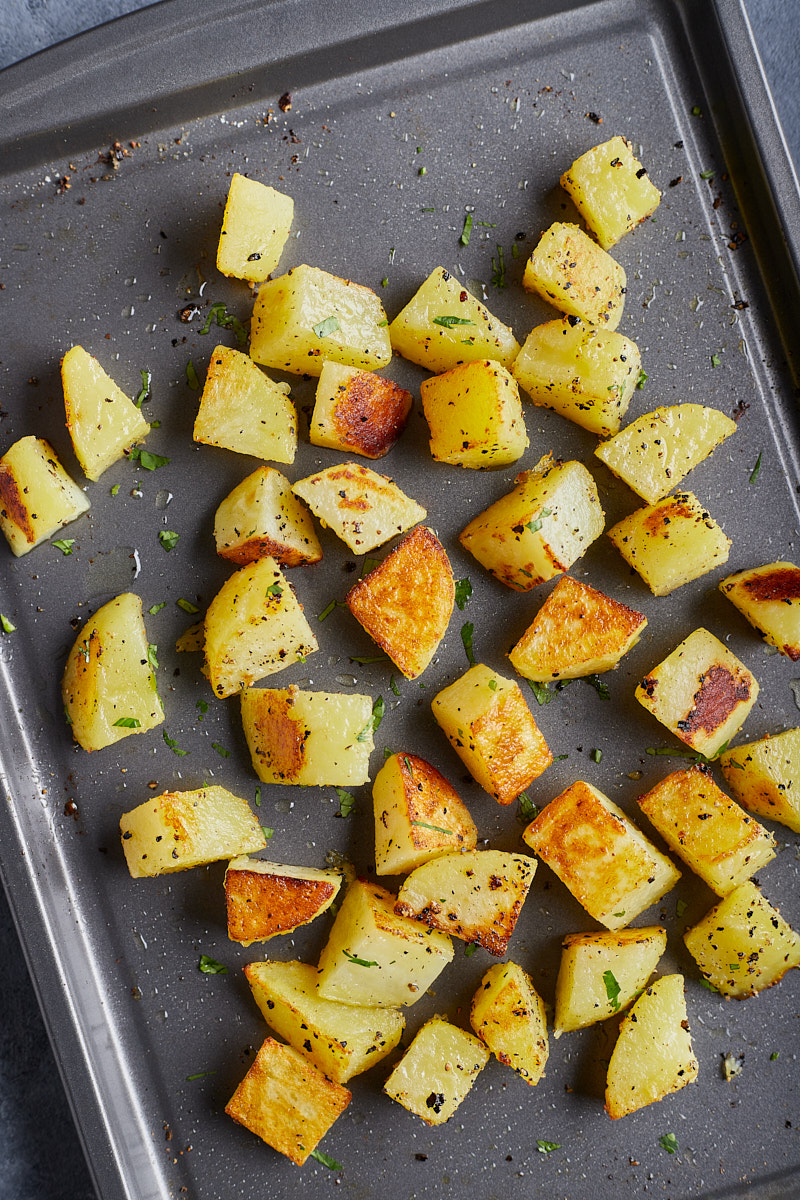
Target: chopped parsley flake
210 966
716 361
199 1075
154 608
378 709
547 1147
173 745
435 828
328 609
326 1160
226 320
697 111
596 755
536 524
258 796
191 376
467 632
5 624
275 590
612 989
168 539
152 655
221 751
187 605
268 833
669 1143
346 802
115 489
64 545
202 705
393 685
326 327
527 809
541 691
360 962
492 685
599 686
467 230
708 986
499 269
127 723
448 322
642 380
757 468
150 462
706 174
463 592
470 949
144 394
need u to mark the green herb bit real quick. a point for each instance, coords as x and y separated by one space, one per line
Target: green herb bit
706 174
435 828
470 949
155 608
268 833
467 230
150 462
612 989
173 745
541 691
226 320
669 1143
596 755
757 468
64 545
152 655
191 376
487 224
144 394
385 281
202 705
391 255
599 686
642 380
360 962
463 592
492 685
275 590
499 269
367 566
422 171
210 966
328 609
393 685
775 1054
187 606
67 717
427 210
168 539
127 723
697 111
115 490
258 796
708 985
547 1147
559 757
680 908
365 659
467 632
199 1075
378 709
326 1160
527 809
326 327
716 361
448 322
221 751
536 525
346 802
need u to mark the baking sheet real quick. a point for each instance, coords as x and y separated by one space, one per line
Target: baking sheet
497 98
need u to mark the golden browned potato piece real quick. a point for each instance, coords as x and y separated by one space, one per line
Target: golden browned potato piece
243 410
264 899
261 517
37 496
363 508
418 815
671 543
508 1014
255 226
573 273
405 603
358 412
102 421
763 776
611 190
769 597
437 1071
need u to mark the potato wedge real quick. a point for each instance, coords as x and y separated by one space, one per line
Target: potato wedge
243 410
342 1040
418 815
358 412
474 415
437 1071
671 543
363 508
262 516
475 895
405 603
573 273
264 898
508 1014
769 597
255 228
611 190
653 1056
102 421
37 496
600 974
763 776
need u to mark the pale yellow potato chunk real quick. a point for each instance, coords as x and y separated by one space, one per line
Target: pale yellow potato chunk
672 542
314 739
37 496
764 776
577 631
574 274
287 1102
243 410
358 412
255 228
585 374
179 830
308 315
373 956
262 516
474 415
508 1014
254 627
701 692
611 190
653 1056
418 815
709 831
600 974
405 603
475 895
769 597
362 508
656 451
263 899
437 1071
102 421
342 1040
491 728
443 325
743 945
109 684
540 528
607 863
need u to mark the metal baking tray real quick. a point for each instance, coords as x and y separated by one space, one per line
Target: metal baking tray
104 246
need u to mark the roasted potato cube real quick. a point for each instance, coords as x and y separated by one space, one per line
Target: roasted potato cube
574 274
475 895
709 831
243 410
109 684
373 956
178 830
316 739
254 627
653 1056
264 899
764 776
491 728
443 325
363 508
102 421
341 1039
540 528
418 815
37 496
743 945
474 415
437 1071
358 412
255 228
586 375
655 452
769 597
701 692
611 190
262 516
601 973
606 862
670 543
286 1101
508 1014
405 603
577 631
308 315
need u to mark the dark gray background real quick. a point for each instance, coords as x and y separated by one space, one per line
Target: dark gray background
39 1151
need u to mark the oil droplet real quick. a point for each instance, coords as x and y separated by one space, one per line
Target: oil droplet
163 498
346 680
111 570
284 806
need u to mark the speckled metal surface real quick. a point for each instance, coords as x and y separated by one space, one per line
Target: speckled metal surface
497 117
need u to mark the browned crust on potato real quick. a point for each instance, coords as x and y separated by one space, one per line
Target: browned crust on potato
783 583
260 905
720 691
370 413
13 503
522 753
263 547
281 738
